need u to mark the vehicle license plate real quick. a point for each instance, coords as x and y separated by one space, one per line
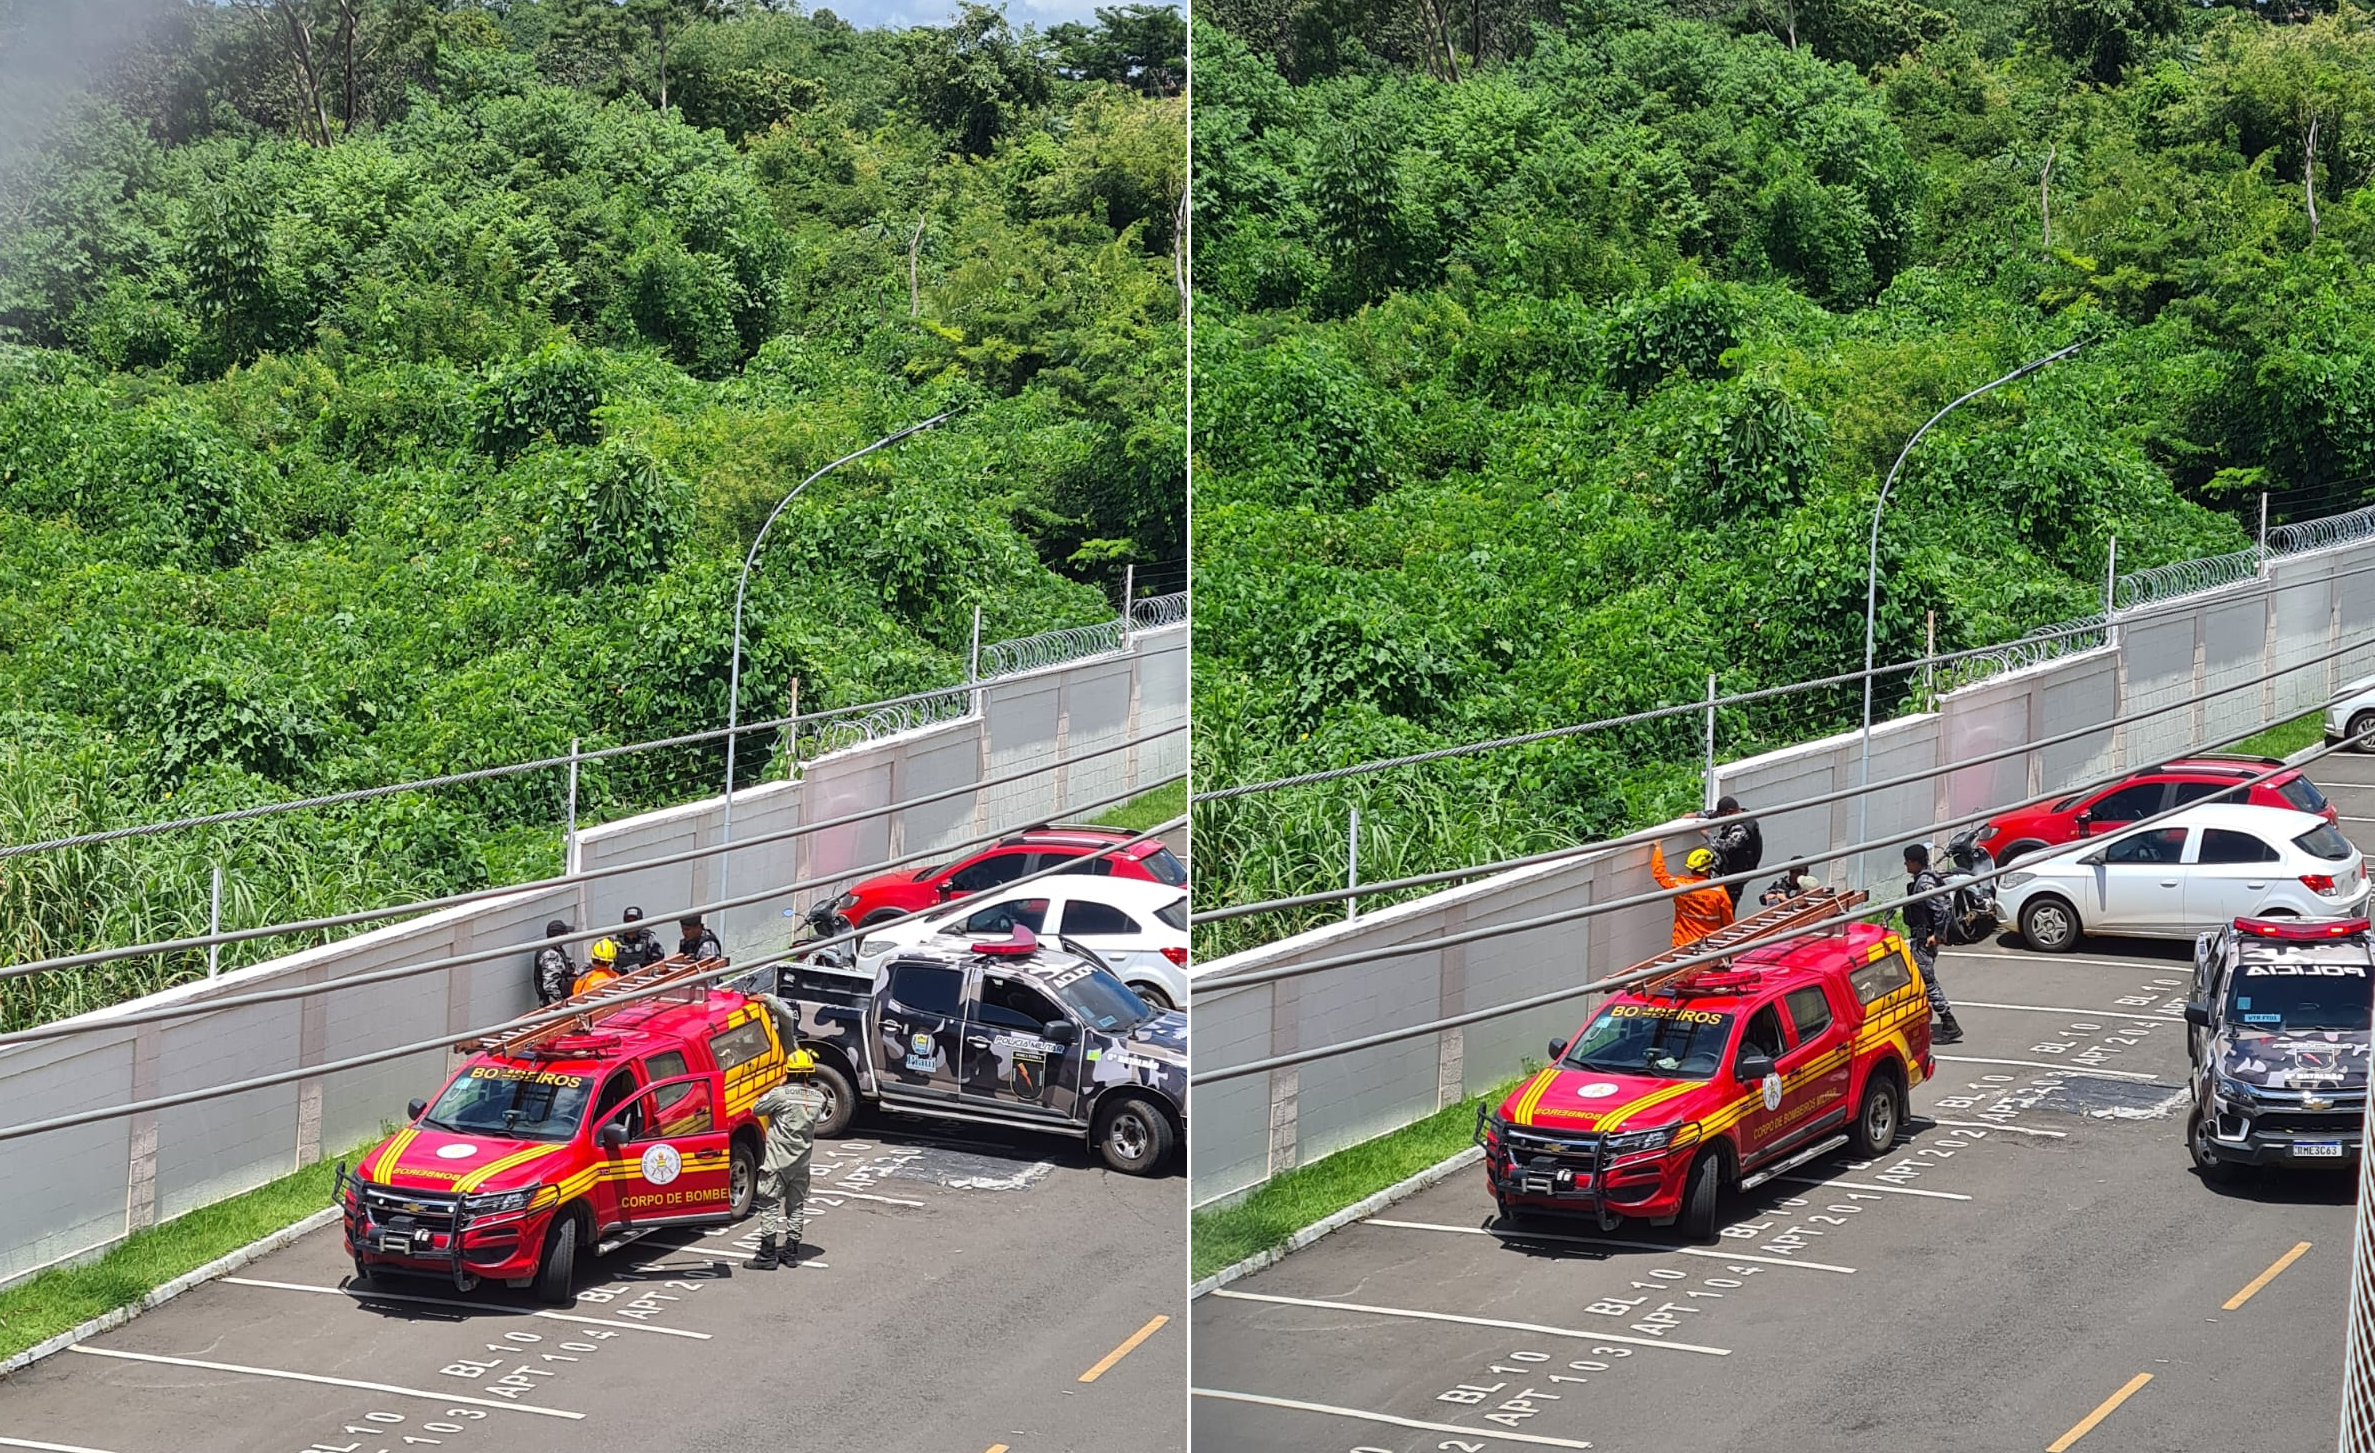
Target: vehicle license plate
2318 1149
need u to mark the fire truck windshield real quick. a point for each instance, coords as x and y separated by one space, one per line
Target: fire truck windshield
1662 1041
516 1104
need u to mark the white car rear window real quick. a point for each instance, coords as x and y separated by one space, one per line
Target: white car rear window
2322 841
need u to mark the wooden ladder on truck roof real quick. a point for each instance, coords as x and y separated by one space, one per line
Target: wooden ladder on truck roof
599 1003
1818 906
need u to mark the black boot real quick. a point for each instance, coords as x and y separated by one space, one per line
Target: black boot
1948 1032
765 1260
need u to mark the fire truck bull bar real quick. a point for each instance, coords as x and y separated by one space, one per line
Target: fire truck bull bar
416 1227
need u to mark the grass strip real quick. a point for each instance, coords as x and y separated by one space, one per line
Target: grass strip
1145 810
63 1299
2284 738
1287 1203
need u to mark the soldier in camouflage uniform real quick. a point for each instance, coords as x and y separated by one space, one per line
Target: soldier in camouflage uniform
791 1111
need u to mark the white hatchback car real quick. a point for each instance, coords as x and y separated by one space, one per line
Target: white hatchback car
2190 873
2352 714
1139 929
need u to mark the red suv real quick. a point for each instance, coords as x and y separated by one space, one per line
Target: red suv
2211 776
890 894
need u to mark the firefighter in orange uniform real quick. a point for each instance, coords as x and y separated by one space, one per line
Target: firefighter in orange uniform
1703 909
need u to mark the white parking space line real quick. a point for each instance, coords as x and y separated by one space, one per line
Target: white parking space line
2051 1009
863 1196
1706 1251
282 1373
1885 1190
1984 1125
47 1447
1409 1314
2038 1064
1539 1440
376 1296
2052 960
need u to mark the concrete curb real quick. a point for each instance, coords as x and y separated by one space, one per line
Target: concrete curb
1358 1211
220 1266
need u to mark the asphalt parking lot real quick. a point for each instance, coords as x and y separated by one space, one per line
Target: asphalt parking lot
962 1294
2036 1265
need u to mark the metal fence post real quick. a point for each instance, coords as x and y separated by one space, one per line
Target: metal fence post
214 923
1129 598
973 662
1352 864
2263 528
791 737
569 833
2358 1358
2111 594
1929 648
1707 770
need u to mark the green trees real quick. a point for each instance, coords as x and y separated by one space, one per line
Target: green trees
440 444
1539 396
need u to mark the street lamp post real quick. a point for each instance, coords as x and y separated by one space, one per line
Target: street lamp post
734 672
1872 566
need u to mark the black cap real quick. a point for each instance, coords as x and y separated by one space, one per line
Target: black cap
634 915
693 921
555 929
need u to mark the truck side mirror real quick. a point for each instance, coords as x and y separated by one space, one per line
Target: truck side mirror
2198 1015
413 1110
1557 1047
612 1135
1754 1065
1062 1031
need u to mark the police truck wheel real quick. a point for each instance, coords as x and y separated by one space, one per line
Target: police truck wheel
1134 1137
557 1270
1154 995
742 1181
1701 1196
841 1102
2198 1127
2050 924
1876 1121
2359 726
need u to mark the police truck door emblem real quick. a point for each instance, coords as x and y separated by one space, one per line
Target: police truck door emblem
661 1164
1772 1091
456 1152
1600 1091
920 1056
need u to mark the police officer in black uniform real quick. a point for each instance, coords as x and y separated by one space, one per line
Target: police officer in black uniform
555 970
1925 928
695 941
636 947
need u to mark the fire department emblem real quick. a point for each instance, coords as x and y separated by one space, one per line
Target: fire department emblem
1771 1088
1600 1091
661 1164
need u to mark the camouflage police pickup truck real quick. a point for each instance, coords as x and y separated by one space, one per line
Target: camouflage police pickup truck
1016 1033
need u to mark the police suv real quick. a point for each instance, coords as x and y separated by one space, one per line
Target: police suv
2279 1043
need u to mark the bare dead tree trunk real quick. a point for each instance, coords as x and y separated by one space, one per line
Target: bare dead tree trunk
1789 18
1451 59
915 244
2309 174
663 60
349 26
1179 250
303 65
2045 197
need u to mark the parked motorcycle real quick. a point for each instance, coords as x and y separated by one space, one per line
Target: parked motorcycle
825 920
1974 912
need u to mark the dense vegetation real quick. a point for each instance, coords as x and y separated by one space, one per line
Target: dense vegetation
1549 359
405 402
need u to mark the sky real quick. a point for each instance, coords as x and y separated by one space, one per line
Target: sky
1040 13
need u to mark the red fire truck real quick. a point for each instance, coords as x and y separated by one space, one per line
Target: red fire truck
1721 1076
578 1135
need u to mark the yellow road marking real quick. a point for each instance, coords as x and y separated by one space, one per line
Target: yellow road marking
2110 1405
997 1448
1118 1353
2265 1277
